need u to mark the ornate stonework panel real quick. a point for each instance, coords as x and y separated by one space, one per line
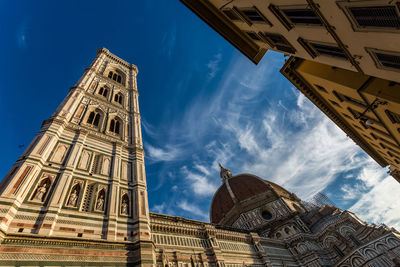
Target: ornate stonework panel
60 152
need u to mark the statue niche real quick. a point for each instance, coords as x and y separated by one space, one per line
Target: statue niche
74 195
100 200
125 205
41 190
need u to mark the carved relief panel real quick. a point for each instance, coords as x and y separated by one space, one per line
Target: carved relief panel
60 153
85 160
126 172
105 168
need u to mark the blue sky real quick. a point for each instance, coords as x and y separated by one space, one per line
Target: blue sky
201 102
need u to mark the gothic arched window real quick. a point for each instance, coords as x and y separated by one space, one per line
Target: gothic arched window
94 118
287 230
118 98
116 75
114 126
103 91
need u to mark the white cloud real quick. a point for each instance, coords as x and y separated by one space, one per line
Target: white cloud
293 144
381 204
191 208
159 208
169 153
168 41
22 36
199 183
213 65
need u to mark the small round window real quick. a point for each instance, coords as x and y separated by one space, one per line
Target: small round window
266 215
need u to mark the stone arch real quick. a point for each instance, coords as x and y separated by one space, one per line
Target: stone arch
370 253
115 125
94 117
329 241
115 73
356 261
381 247
42 189
119 98
346 231
392 242
103 90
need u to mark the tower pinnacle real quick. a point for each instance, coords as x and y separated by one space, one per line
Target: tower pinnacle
224 173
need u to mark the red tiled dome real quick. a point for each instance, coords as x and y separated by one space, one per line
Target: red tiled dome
243 186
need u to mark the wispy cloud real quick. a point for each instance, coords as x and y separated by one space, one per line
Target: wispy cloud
256 122
168 153
213 65
22 36
193 209
381 204
199 183
159 208
168 41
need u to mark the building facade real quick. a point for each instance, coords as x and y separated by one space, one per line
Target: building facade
340 33
77 197
79 189
360 38
365 107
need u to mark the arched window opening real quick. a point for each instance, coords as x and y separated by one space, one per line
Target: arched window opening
110 74
117 127
114 126
103 91
118 98
115 76
278 235
287 231
119 79
91 118
94 118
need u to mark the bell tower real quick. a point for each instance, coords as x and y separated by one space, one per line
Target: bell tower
83 175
